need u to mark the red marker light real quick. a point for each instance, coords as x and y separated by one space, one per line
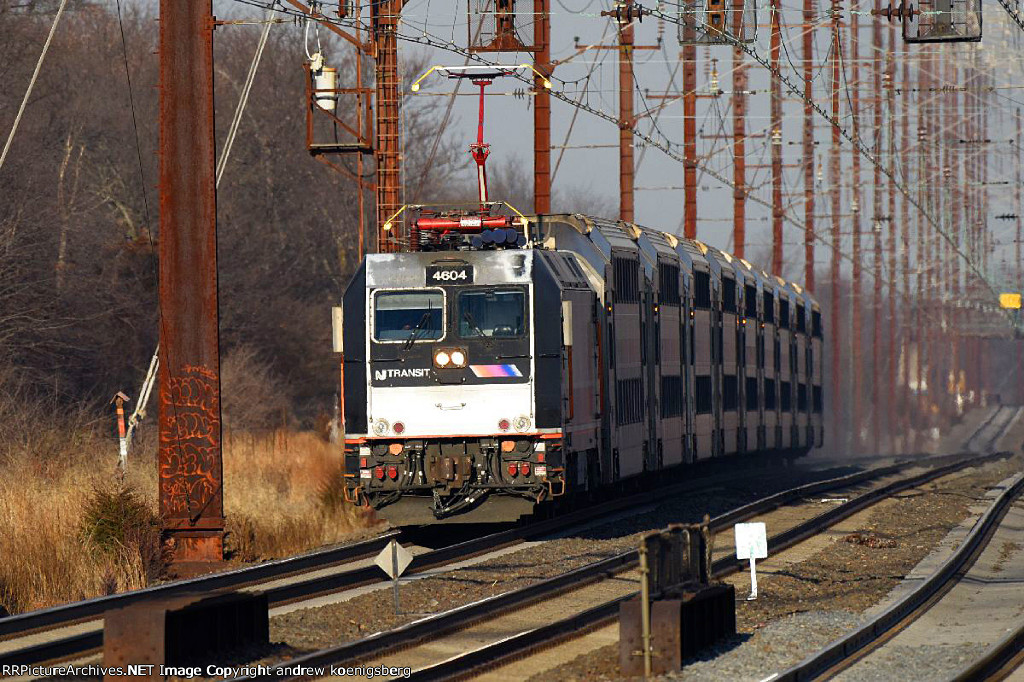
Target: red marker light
399 428
379 473
392 472
513 469
524 468
503 424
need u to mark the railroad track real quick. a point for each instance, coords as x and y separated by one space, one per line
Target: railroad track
985 438
873 636
999 662
611 571
75 630
883 630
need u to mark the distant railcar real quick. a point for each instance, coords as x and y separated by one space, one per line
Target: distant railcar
487 379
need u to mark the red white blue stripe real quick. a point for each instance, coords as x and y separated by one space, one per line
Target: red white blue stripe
495 371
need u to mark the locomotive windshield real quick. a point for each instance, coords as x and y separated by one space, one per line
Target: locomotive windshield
492 313
410 316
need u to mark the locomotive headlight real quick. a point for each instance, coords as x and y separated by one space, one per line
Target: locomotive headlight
521 423
380 427
441 358
458 358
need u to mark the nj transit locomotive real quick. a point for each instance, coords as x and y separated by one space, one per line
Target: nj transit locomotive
483 381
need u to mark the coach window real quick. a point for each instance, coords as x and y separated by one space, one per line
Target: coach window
787 396
751 394
816 324
783 313
492 312
408 316
769 307
730 395
728 294
668 284
750 301
801 323
703 395
627 280
702 290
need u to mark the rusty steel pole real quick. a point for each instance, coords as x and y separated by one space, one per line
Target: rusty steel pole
924 169
541 109
739 149
689 55
388 148
856 355
952 160
190 464
905 330
931 333
1016 199
776 143
876 221
626 118
892 360
1017 250
808 143
836 181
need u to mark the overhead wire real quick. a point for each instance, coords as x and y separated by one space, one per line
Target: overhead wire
858 144
243 99
32 82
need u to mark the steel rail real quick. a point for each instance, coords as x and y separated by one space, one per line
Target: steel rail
67 614
845 651
1000 428
998 661
497 653
463 616
84 643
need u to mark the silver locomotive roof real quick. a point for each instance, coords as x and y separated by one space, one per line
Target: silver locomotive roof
505 266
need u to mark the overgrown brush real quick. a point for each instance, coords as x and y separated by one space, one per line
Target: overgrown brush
117 521
71 528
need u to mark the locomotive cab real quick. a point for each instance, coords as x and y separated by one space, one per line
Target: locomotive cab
443 406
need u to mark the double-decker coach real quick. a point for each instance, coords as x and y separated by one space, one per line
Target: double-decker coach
564 356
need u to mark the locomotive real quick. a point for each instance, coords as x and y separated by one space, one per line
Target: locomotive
507 362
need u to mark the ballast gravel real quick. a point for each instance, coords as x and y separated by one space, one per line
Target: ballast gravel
773 648
925 662
816 600
332 624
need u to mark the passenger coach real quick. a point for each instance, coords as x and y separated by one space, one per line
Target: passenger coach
489 378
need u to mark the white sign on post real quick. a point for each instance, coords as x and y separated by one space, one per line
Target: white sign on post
752 544
393 560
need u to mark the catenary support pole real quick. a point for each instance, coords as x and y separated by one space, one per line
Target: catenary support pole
541 108
776 143
190 465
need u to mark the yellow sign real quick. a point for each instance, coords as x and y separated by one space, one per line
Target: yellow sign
1010 301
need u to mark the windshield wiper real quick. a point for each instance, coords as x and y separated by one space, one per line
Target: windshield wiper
416 330
468 317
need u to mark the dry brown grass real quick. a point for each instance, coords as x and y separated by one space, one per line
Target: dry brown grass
52 463
272 494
